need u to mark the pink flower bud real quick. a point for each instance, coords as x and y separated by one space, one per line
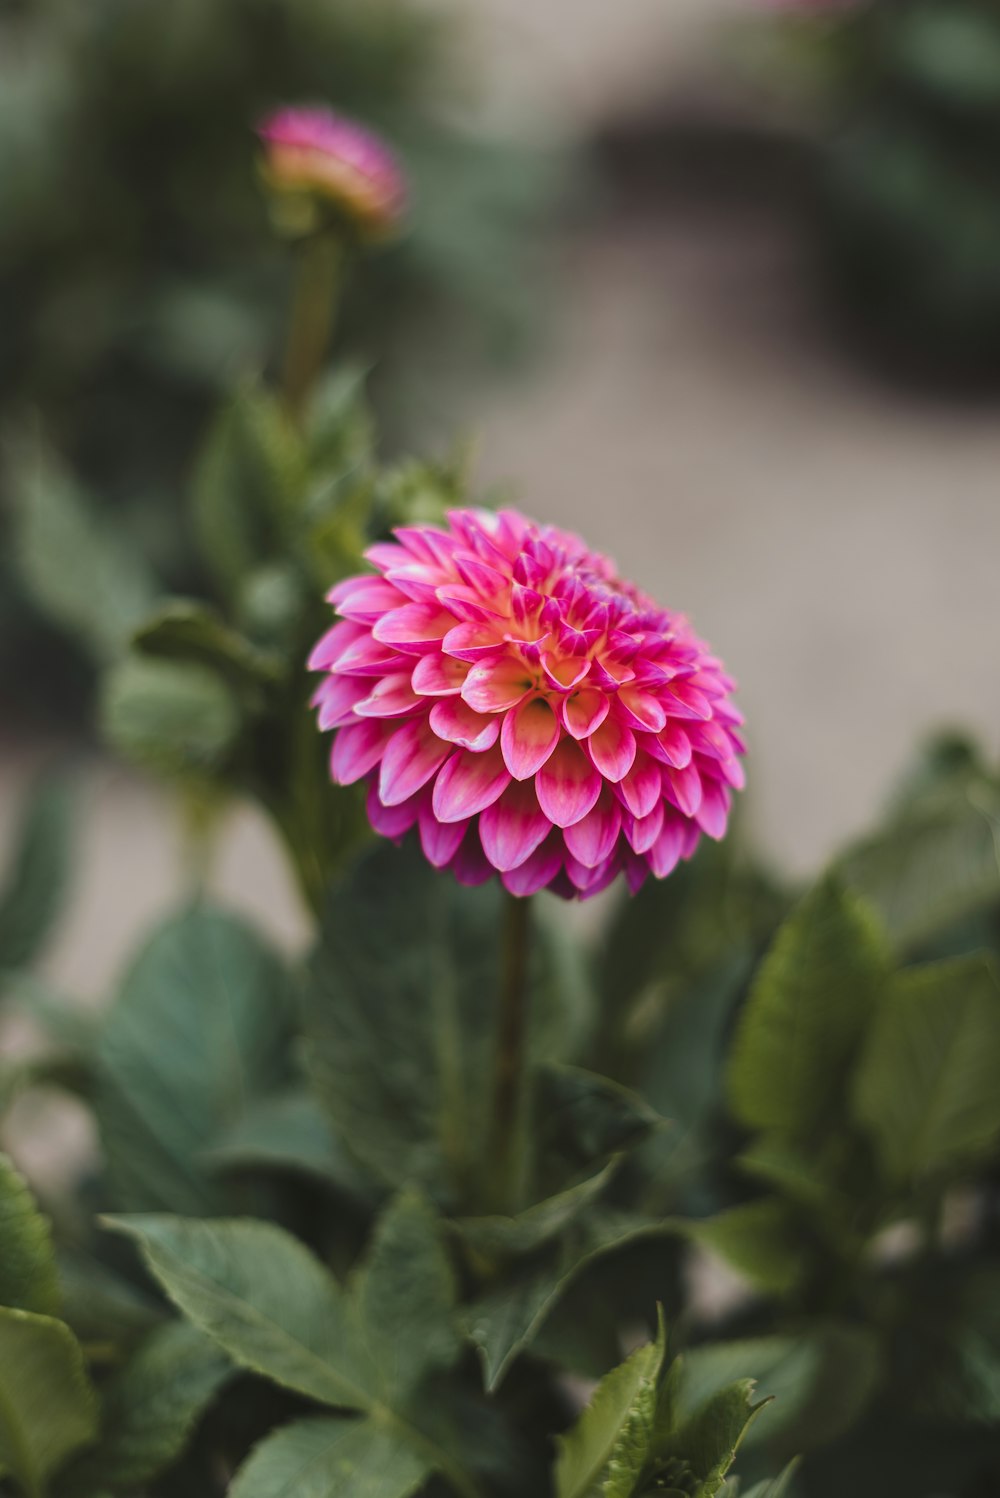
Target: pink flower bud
319 154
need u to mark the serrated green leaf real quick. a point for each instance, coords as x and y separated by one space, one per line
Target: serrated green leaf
185 629
707 1443
47 1407
28 1278
926 1086
325 1458
250 478
33 891
149 1410
198 1033
763 1240
176 718
807 1013
406 1293
77 566
587 1451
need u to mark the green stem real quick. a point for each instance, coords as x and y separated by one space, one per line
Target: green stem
512 1031
314 303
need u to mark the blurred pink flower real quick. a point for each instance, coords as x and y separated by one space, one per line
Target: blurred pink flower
502 690
313 150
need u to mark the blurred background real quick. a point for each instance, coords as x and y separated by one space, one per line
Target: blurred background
716 284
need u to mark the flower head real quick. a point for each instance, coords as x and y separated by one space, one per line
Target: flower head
501 689
320 154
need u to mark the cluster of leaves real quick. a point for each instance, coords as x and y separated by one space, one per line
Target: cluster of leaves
138 273
910 186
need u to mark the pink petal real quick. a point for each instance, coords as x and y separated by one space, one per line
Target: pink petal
470 864
711 739
456 721
713 813
565 672
335 697
391 697
439 840
683 788
666 852
683 701
538 871
470 642
585 711
411 758
366 657
357 749
369 599
590 881
642 787
636 872
645 710
513 827
438 675
414 628
672 746
348 585
332 645
529 735
393 821
612 748
567 784
497 683
469 783
642 832
591 840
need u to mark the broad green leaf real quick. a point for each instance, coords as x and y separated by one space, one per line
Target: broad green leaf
401 1010
265 1299
406 1297
810 1006
177 718
33 891
185 629
763 1240
290 1132
926 1086
149 1410
933 865
28 1278
251 476
339 429
819 1381
704 1447
329 1458
582 1118
76 563
507 1317
47 1407
197 1035
625 1396
101 1306
498 1237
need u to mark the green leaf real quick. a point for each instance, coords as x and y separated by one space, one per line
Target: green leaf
28 1278
496 1237
289 1132
406 1297
706 1444
819 1381
250 478
772 1487
926 1086
401 1012
583 1118
198 1034
326 1458
47 1407
933 865
184 629
149 1410
339 429
32 896
264 1298
77 565
807 1013
171 717
623 1398
763 1240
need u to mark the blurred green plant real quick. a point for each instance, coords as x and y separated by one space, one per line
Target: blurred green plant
138 273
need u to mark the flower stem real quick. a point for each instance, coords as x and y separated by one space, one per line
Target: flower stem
512 1031
314 303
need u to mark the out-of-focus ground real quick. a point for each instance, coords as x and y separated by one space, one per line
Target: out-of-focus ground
835 539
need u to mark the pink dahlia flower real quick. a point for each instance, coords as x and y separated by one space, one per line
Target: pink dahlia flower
503 691
316 151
